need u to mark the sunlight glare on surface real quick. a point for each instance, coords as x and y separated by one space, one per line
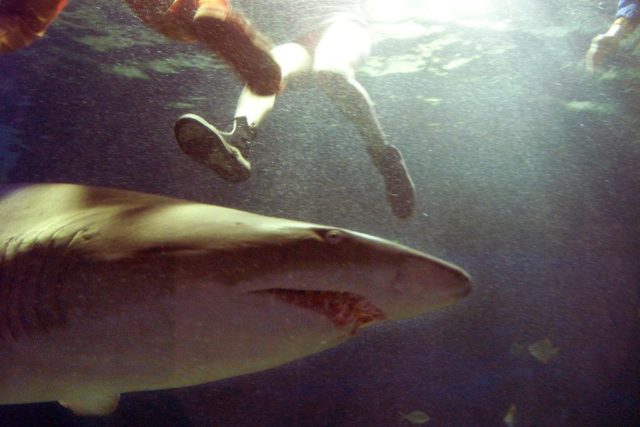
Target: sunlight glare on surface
407 19
440 10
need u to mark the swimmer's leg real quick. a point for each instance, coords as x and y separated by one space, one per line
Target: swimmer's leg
24 21
225 152
293 59
226 32
222 152
342 47
221 29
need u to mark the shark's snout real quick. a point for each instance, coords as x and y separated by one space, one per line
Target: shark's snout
422 283
417 276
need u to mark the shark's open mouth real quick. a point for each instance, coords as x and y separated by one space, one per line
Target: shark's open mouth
343 308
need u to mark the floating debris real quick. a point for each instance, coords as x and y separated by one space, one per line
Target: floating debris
543 350
415 417
510 418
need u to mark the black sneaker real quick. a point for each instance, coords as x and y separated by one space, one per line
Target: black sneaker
207 145
399 187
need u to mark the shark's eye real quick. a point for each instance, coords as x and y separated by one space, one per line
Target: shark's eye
334 236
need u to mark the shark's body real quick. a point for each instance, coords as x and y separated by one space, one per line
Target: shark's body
107 291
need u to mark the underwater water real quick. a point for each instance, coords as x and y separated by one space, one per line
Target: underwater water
526 170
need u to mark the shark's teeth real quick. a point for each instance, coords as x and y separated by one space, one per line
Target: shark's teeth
343 308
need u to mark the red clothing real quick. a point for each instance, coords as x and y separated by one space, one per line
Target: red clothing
174 18
211 23
23 21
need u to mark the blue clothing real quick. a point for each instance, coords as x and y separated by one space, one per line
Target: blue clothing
629 9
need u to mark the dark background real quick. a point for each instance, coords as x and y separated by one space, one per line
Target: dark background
527 176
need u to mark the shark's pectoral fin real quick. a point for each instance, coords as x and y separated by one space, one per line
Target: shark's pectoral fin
93 405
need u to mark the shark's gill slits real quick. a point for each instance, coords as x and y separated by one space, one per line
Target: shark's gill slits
27 306
343 308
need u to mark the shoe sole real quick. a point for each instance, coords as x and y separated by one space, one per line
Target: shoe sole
205 144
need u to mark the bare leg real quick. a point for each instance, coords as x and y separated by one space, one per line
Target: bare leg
342 47
224 152
292 58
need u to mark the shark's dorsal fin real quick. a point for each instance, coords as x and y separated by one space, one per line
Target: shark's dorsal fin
92 405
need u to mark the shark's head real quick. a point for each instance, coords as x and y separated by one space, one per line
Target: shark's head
353 278
138 292
284 290
328 270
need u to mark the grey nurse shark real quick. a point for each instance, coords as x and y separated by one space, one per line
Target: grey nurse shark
106 291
